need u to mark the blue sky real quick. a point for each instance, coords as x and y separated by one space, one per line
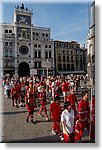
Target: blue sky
67 21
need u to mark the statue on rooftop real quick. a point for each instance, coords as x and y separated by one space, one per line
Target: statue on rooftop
22 7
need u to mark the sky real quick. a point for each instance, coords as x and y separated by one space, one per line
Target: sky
68 20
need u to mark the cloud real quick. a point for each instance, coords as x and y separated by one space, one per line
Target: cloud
71 31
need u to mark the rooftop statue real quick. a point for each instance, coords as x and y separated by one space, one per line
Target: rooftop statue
22 7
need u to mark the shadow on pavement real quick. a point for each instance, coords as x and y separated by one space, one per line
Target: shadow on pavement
12 113
46 139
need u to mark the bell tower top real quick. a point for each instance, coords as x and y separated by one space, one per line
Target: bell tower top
22 8
22 15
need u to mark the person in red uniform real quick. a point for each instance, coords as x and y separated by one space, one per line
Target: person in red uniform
73 100
30 99
50 88
42 97
13 95
57 82
92 135
55 112
83 115
22 94
57 94
42 82
19 92
77 132
68 86
64 89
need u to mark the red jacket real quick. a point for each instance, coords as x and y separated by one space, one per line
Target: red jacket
64 87
57 83
68 85
83 110
72 99
42 97
29 100
56 111
42 83
14 91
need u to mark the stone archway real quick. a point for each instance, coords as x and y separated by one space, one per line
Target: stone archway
23 69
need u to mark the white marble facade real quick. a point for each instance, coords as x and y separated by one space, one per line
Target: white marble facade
24 46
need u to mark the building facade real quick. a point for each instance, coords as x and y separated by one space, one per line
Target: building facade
26 49
69 57
91 43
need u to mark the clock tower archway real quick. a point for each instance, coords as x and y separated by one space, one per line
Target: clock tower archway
23 69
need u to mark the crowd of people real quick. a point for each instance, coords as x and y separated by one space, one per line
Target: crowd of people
72 115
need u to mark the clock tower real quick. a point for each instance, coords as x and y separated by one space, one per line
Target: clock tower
23 37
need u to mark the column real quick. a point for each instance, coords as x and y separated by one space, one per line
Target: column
15 54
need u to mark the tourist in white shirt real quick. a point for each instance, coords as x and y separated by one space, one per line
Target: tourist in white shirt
67 119
7 90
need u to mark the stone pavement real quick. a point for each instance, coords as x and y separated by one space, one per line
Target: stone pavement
16 130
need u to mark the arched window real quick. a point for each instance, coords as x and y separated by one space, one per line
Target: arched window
64 66
35 54
67 58
46 54
71 58
39 54
59 58
64 58
68 67
49 54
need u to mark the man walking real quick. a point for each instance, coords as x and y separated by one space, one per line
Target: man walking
83 115
67 119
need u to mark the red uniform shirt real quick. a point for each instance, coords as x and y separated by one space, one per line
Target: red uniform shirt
83 110
57 83
30 100
18 87
68 85
64 87
42 97
72 99
42 83
55 110
14 91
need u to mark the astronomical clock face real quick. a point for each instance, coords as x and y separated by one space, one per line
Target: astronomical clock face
24 50
23 19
